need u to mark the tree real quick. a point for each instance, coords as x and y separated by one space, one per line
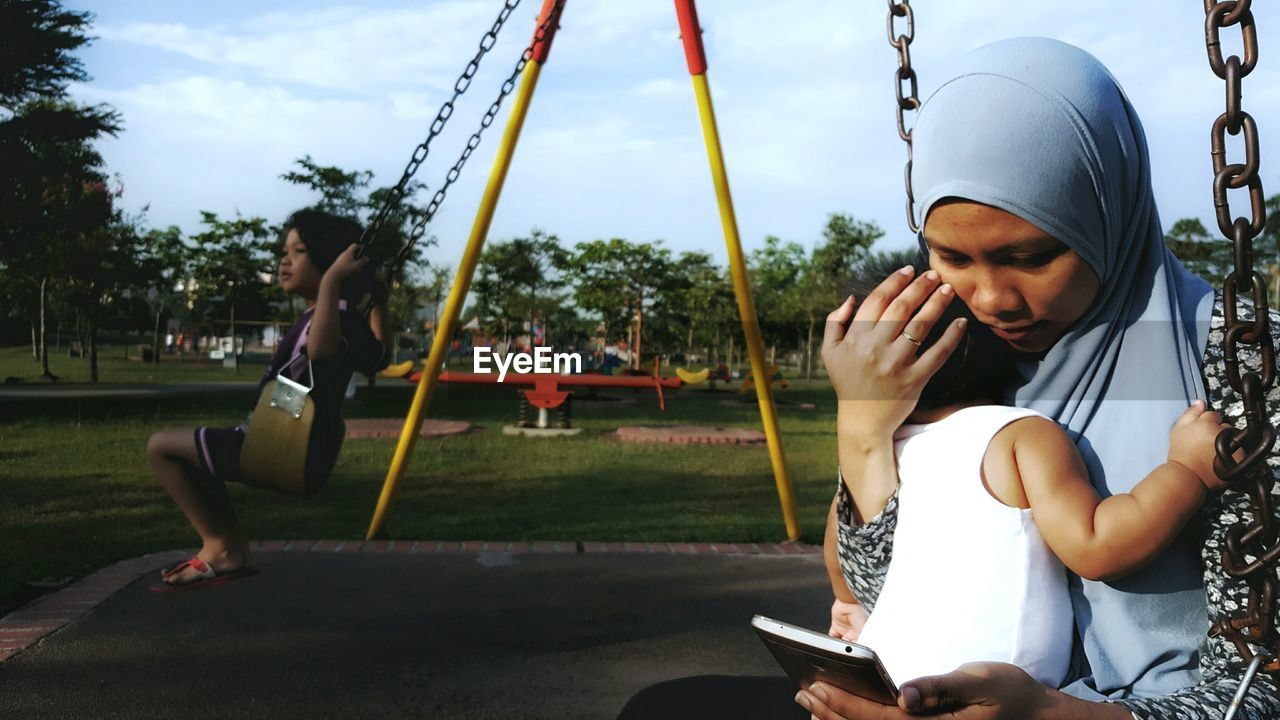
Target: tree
846 241
776 271
846 244
60 198
1269 246
698 301
521 281
340 191
101 264
619 280
346 193
46 159
234 267
439 282
38 37
1200 252
163 265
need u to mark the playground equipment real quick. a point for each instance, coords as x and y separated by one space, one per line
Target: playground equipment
775 379
706 375
399 370
274 455
693 378
547 394
530 64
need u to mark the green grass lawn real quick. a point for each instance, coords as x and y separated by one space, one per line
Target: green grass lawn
113 367
79 495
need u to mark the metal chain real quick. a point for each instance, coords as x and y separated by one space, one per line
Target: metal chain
907 101
397 193
1252 549
420 228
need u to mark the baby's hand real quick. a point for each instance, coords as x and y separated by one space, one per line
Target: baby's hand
847 620
1191 443
346 265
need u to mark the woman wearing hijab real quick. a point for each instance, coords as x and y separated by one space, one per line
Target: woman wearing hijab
1034 183
1032 179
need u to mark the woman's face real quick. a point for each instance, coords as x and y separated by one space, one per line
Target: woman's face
1025 285
298 276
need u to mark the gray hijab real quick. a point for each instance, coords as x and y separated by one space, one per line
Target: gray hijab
1040 129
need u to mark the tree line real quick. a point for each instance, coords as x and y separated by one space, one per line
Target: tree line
660 302
70 256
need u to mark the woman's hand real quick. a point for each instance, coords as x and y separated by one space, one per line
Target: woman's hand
847 620
976 691
870 354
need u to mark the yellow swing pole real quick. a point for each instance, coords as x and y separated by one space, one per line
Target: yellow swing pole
696 57
466 270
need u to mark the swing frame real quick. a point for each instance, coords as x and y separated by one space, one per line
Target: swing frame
537 53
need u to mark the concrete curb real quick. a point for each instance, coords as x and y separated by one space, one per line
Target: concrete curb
29 624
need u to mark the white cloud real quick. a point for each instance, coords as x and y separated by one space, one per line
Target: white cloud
345 47
804 95
208 108
661 89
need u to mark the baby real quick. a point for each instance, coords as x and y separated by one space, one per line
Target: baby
993 501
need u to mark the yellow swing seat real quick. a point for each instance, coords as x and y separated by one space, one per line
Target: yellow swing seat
274 455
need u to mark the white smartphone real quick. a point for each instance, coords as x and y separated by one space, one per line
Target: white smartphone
807 656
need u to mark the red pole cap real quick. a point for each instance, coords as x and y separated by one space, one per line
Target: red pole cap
542 48
691 35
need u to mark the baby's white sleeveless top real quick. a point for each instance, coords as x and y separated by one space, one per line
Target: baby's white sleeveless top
970 579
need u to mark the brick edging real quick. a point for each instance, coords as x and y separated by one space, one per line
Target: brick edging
29 624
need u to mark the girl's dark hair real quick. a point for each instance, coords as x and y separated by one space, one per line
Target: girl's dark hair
326 236
980 367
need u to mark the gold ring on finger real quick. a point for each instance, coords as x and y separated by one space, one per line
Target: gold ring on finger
912 338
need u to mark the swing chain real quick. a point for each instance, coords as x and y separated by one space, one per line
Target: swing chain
397 193
909 100
1252 549
420 227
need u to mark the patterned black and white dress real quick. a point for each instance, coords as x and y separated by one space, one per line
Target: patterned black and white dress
865 551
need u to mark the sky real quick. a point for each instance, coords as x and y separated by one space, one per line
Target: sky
219 99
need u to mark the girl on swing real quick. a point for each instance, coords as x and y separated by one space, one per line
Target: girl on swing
318 264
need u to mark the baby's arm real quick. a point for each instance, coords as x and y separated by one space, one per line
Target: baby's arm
847 615
1104 539
831 557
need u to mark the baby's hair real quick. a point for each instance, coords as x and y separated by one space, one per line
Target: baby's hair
980 367
326 236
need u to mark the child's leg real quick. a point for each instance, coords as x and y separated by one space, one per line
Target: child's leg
203 499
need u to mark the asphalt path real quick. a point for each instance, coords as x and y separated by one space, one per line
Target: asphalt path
478 635
76 391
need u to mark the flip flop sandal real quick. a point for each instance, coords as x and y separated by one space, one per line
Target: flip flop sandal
175 568
206 577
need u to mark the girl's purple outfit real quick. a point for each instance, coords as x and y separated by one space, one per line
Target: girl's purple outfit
218 449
